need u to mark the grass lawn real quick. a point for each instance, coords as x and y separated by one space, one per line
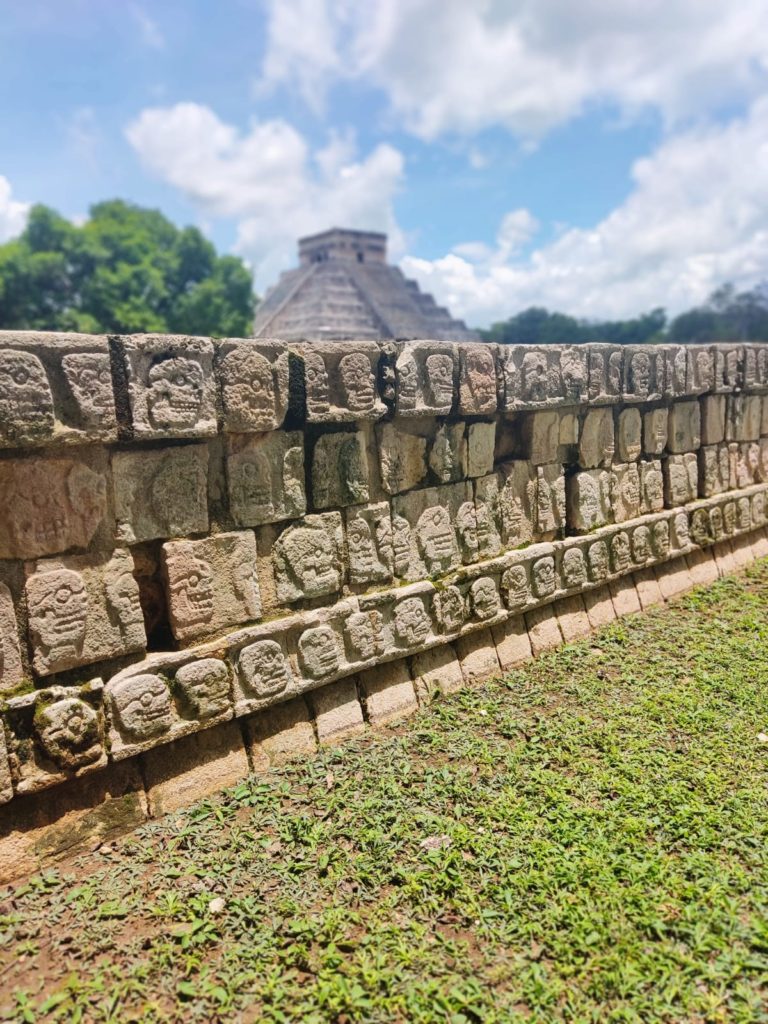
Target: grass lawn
585 840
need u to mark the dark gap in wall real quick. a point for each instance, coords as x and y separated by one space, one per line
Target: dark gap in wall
120 388
154 606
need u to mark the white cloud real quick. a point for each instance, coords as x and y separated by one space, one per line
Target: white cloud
13 213
268 179
465 65
697 216
150 31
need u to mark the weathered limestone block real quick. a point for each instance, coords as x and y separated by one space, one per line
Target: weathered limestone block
265 477
83 609
674 578
282 732
764 416
680 479
426 372
11 668
481 441
211 583
651 486
513 647
263 672
51 505
747 464
755 368
307 558
643 373
253 384
598 561
572 618
599 607
403 460
714 469
660 539
516 586
624 596
369 543
641 545
55 388
625 492
550 499
684 427
161 493
410 622
171 387
713 419
620 553
569 433
589 499
544 581
743 417
675 371
540 433
597 445
55 734
761 472
450 606
436 671
478 390
337 711
701 369
605 373
648 590
482 521
340 470
728 367
438 537
388 692
572 566
539 377
510 497
340 382
543 629
655 429
629 435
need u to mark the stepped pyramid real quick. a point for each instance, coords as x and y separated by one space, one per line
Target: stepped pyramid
344 288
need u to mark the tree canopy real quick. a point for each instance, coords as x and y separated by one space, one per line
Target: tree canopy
126 269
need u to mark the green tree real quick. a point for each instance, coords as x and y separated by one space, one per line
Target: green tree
538 326
727 315
126 269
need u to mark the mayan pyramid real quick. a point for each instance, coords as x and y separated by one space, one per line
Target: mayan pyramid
344 288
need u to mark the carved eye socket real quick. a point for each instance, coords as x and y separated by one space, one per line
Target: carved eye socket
63 594
20 376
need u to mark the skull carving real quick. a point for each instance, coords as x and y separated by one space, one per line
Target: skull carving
363 631
574 569
485 598
436 541
411 622
58 610
362 553
263 668
26 403
293 482
358 382
449 609
640 374
90 380
318 652
251 487
401 545
122 593
597 561
620 553
466 525
641 545
190 581
317 382
514 583
69 731
480 376
175 393
660 535
407 381
544 577
204 687
307 556
248 390
439 382
142 705
534 375
574 373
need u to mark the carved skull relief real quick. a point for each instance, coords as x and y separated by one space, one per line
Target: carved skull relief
248 390
434 535
484 596
449 609
514 583
411 623
640 374
574 569
175 393
90 381
58 610
69 731
264 669
401 545
26 402
620 552
319 652
251 487
363 631
597 561
543 574
190 581
317 381
534 377
142 706
204 687
660 537
358 382
641 545
308 555
439 382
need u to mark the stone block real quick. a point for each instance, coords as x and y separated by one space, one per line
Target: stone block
161 493
403 456
436 671
728 367
263 673
307 558
620 552
194 768
624 596
605 373
426 378
674 578
643 373
713 408
651 486
537 377
589 499
253 384
675 371
599 607
684 427
723 555
572 565
36 830
761 471
748 463
510 494
82 609
55 388
641 545
629 435
597 444
700 372
481 441
513 646
340 381
337 711
681 479
171 387
52 505
647 587
478 390
572 618
702 567
540 433
625 492
550 499
388 693
714 470
433 530
742 551
11 667
569 431
655 431
339 470
369 543
743 417
543 629
265 477
281 733
760 544
477 656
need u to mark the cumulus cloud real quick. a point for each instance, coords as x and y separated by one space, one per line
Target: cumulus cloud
464 65
13 213
268 178
697 216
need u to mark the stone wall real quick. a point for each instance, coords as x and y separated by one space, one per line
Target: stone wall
194 531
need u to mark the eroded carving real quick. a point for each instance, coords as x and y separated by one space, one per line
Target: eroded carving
543 577
450 609
307 558
57 602
142 706
89 377
69 731
204 688
319 652
26 402
263 668
411 626
484 595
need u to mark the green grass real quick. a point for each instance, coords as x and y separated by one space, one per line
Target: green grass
586 840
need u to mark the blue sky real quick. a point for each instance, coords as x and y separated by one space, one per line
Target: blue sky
601 158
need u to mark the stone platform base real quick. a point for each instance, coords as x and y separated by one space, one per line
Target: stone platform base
64 820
